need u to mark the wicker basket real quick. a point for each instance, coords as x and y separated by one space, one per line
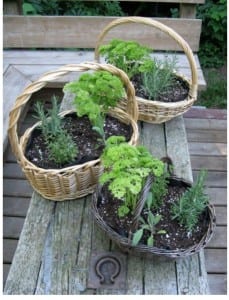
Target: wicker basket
153 111
124 243
75 181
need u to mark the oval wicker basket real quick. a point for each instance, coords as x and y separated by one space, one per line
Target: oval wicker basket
75 181
153 111
143 250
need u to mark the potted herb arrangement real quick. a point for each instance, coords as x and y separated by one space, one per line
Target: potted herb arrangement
162 93
67 165
145 209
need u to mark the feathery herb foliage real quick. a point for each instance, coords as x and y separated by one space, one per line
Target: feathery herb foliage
62 148
50 121
193 202
159 77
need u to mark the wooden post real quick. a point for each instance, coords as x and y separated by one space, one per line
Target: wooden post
12 7
187 10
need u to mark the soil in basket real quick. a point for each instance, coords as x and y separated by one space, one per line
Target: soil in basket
178 91
176 237
88 141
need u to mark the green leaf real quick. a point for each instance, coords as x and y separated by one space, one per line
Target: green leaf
157 218
161 231
123 211
149 200
150 241
137 237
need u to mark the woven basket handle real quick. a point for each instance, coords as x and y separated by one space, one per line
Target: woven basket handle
143 195
132 108
169 31
141 202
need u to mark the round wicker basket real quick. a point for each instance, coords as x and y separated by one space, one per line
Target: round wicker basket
143 250
79 180
153 111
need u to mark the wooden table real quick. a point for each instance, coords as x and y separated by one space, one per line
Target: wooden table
59 238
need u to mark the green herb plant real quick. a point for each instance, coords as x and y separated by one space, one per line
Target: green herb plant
50 121
62 148
129 56
148 225
159 77
95 93
158 190
134 59
125 170
193 202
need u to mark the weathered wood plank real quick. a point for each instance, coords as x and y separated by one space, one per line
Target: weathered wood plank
35 71
57 57
82 32
211 163
191 275
21 59
17 188
9 156
221 215
206 113
79 274
60 248
9 247
30 247
135 273
210 136
187 11
12 7
216 260
177 148
219 239
209 148
160 277
12 78
13 170
26 63
218 284
153 138
214 179
15 206
6 268
161 274
218 196
12 227
205 124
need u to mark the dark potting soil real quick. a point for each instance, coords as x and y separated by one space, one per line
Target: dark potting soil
178 91
176 236
88 141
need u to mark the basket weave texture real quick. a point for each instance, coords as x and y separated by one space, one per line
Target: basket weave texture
153 111
79 180
142 250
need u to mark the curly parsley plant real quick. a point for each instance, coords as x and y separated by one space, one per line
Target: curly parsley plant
95 93
129 56
126 169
